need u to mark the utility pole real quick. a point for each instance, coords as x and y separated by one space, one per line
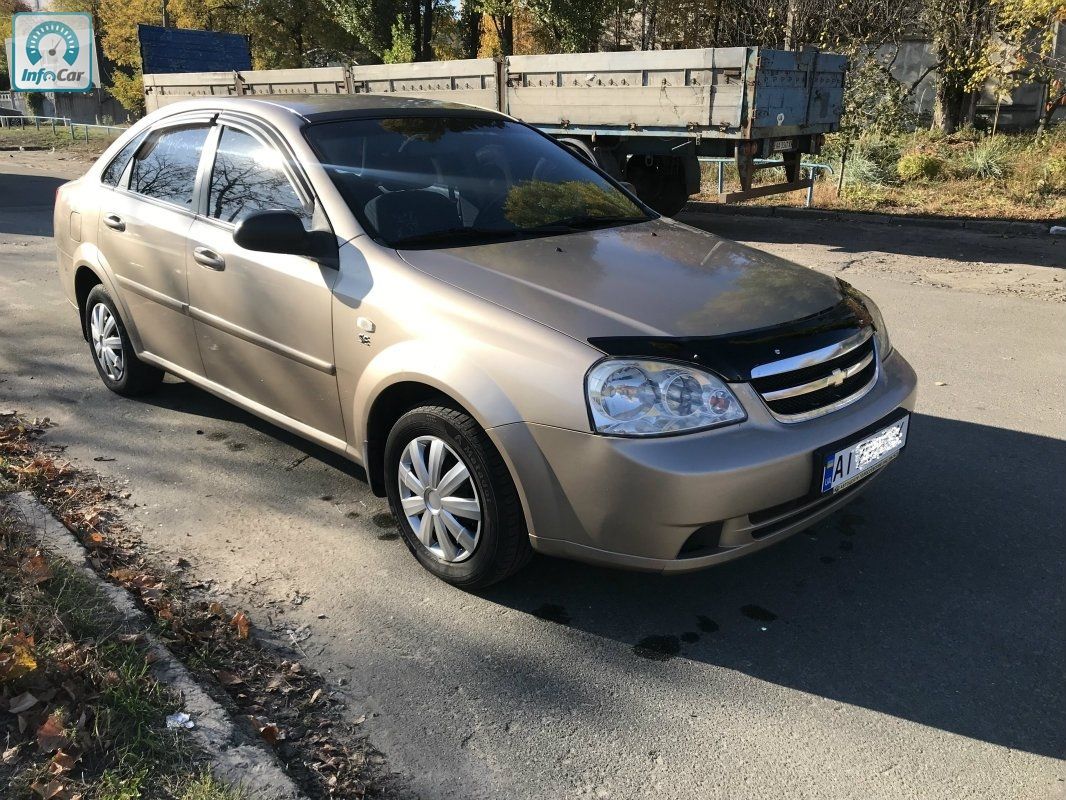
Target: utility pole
164 4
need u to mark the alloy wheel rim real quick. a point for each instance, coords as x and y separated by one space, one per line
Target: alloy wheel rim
107 342
439 499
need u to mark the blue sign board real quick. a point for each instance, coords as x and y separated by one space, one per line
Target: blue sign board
181 50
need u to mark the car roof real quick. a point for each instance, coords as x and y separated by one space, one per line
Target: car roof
329 107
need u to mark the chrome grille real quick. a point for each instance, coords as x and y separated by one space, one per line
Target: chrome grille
816 383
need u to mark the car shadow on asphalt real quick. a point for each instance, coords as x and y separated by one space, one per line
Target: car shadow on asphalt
903 239
22 200
187 399
935 597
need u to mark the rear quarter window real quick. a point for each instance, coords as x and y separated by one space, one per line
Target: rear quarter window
112 173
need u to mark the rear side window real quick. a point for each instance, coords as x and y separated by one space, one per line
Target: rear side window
165 168
248 176
112 174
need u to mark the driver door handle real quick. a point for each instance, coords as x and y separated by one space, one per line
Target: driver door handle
114 222
209 258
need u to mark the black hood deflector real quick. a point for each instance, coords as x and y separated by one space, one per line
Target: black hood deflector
733 356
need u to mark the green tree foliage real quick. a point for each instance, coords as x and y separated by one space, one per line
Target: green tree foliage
402 49
388 28
1025 49
370 21
569 26
7 8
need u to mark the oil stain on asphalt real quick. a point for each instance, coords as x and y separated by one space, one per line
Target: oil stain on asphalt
658 648
386 521
552 612
706 624
758 613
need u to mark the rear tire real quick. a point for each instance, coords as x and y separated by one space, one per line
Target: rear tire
119 368
475 534
661 183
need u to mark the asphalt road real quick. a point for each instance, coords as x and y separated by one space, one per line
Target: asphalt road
909 647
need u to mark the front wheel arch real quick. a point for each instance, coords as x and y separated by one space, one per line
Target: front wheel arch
391 404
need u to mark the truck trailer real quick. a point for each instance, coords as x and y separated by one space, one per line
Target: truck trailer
644 117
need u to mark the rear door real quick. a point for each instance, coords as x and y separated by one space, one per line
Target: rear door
263 320
142 236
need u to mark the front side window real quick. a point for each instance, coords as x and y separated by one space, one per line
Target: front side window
248 176
446 181
165 166
112 173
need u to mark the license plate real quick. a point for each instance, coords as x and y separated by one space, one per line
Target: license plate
843 467
782 145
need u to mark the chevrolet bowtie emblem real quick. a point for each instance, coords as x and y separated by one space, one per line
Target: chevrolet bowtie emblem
836 377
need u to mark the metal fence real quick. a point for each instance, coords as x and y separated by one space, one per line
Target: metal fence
61 126
812 172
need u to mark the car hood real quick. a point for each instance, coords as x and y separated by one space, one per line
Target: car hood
656 278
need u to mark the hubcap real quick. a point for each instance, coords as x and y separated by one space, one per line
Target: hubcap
106 341
439 499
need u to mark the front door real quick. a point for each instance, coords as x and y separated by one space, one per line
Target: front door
143 224
263 320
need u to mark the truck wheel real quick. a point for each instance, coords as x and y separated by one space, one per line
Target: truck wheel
454 499
594 154
660 182
120 369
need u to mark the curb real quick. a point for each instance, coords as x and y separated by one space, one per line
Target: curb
236 764
989 226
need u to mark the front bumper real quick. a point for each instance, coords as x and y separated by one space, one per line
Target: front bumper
681 503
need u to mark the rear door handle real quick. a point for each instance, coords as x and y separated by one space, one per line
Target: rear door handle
209 258
114 222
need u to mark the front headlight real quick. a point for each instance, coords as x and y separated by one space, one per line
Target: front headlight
630 397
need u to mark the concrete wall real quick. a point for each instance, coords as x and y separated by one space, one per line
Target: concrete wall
1021 110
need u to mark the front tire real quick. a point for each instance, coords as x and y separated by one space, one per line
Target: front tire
456 505
119 368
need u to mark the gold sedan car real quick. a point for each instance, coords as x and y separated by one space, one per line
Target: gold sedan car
521 354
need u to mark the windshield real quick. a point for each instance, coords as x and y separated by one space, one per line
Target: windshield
450 181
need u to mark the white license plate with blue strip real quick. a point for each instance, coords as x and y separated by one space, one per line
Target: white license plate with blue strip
844 467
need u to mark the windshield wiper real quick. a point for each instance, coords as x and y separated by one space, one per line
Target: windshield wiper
454 234
584 222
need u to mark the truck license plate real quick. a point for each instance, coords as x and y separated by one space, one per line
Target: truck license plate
844 467
783 145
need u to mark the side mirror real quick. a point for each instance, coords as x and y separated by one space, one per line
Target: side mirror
283 232
628 187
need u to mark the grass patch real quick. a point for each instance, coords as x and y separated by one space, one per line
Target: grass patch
271 695
29 137
967 174
83 715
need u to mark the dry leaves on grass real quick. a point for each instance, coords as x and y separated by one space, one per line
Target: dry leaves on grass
241 624
52 735
288 706
35 568
16 657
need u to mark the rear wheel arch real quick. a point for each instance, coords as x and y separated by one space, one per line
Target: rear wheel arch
85 278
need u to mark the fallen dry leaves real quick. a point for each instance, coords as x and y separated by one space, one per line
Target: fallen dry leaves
285 704
35 568
16 656
241 624
51 736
